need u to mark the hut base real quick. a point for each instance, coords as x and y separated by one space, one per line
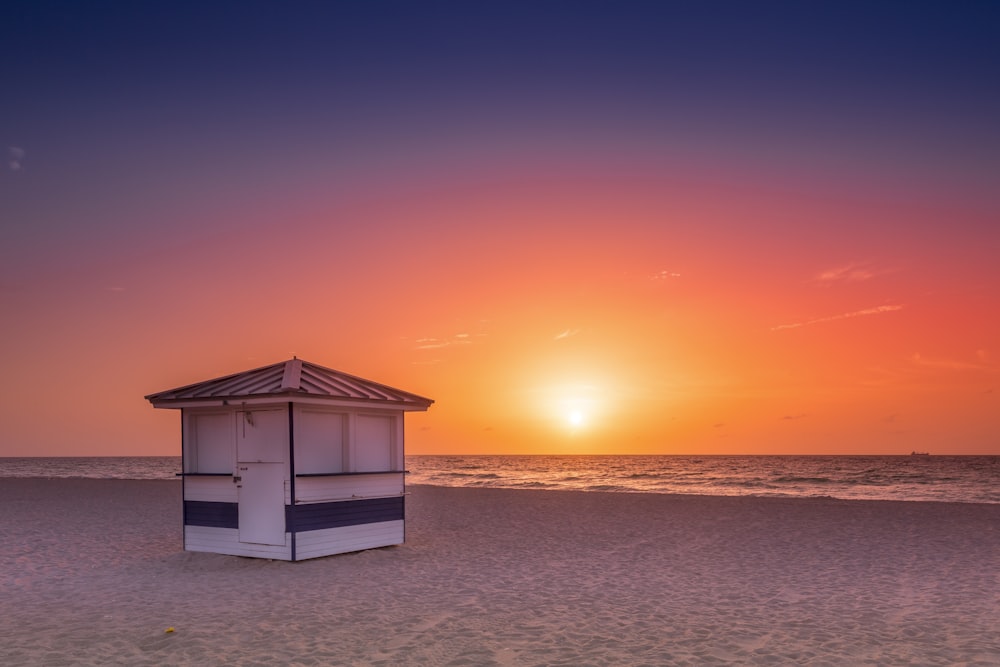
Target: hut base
308 544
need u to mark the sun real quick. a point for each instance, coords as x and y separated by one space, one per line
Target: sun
577 412
572 407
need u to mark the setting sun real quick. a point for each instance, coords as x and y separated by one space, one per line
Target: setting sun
571 406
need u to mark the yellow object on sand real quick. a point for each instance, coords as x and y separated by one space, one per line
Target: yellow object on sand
169 630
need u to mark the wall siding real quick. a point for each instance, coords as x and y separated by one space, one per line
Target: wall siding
349 538
227 541
213 489
211 514
319 516
312 544
327 489
316 516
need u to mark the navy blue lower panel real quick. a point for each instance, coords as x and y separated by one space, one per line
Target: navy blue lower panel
316 516
212 515
346 513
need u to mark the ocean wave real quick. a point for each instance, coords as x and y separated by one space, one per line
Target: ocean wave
534 485
474 475
974 479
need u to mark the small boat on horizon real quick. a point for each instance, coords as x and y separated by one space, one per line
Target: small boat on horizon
916 453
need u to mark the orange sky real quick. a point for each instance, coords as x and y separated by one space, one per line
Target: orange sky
635 234
516 305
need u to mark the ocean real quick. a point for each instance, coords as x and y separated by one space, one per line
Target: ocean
962 479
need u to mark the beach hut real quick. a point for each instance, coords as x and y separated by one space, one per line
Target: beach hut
291 461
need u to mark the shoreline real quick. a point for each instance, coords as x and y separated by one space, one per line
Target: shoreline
560 490
94 574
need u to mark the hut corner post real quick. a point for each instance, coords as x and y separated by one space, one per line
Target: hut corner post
290 513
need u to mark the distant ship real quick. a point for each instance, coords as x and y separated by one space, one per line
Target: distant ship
915 453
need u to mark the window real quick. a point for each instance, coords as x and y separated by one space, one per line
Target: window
373 443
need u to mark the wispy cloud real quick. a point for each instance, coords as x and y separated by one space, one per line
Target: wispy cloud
982 362
843 316
664 275
437 343
852 272
15 158
918 368
455 340
568 333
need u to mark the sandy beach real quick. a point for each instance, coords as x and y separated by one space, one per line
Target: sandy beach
93 574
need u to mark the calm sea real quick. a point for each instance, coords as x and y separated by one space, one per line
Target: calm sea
964 479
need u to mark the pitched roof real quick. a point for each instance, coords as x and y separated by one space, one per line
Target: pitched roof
294 377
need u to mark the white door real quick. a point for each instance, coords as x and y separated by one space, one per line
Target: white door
261 448
262 503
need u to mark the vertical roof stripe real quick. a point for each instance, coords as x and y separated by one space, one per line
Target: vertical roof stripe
292 375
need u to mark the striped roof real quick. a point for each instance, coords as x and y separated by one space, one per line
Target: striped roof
291 378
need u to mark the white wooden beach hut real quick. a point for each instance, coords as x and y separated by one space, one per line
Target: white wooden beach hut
291 461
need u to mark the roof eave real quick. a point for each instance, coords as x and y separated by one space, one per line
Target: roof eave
288 396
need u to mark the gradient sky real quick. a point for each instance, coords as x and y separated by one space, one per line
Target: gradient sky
581 227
